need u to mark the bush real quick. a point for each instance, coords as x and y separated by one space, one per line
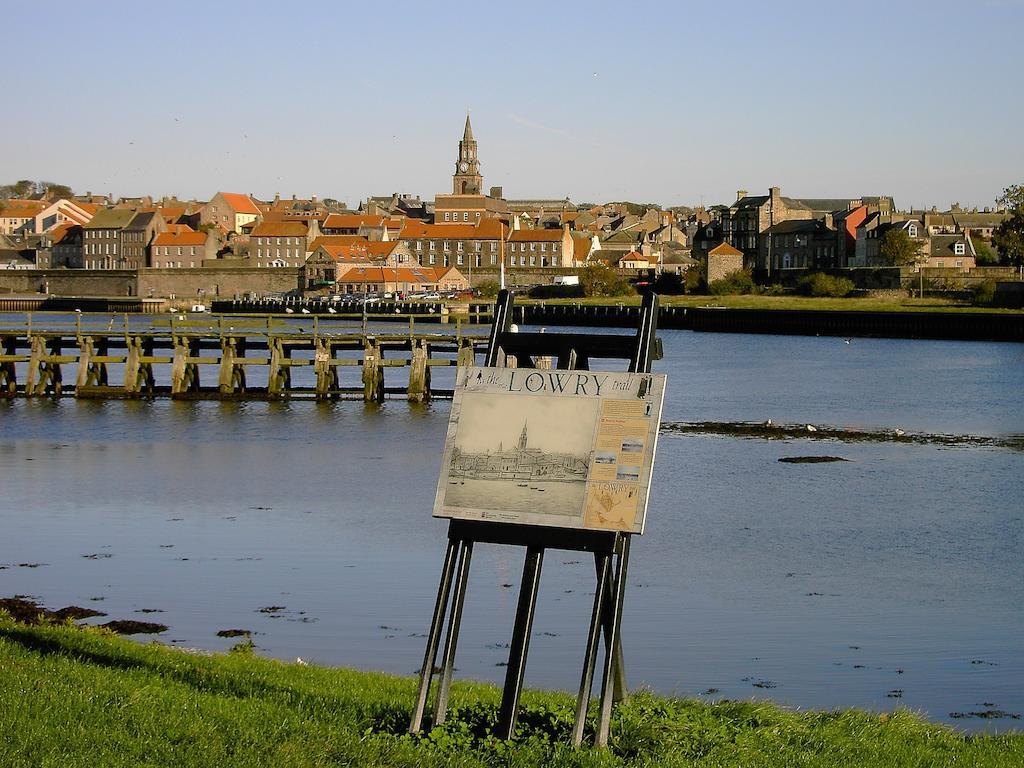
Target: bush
601 280
488 288
739 282
695 279
819 284
984 293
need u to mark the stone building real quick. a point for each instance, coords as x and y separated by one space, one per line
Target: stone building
282 243
803 244
468 204
723 260
182 247
448 245
229 211
540 248
66 246
101 238
137 237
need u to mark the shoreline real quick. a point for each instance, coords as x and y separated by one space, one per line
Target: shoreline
97 698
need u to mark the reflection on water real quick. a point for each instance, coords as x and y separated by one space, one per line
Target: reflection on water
897 573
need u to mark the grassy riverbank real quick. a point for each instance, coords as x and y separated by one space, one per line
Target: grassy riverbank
807 303
74 697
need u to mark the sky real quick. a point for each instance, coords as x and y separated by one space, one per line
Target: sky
675 103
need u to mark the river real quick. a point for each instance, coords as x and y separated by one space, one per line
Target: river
892 579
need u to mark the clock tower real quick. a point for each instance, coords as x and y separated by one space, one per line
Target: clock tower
467 179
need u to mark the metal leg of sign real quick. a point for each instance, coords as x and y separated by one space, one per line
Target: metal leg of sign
520 642
604 562
612 659
454 622
427 671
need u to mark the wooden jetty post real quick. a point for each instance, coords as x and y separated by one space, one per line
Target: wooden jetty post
419 372
373 371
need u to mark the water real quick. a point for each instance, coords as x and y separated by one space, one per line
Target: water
825 585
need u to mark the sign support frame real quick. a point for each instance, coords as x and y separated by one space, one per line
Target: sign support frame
610 548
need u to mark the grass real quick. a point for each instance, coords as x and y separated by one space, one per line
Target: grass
866 304
82 697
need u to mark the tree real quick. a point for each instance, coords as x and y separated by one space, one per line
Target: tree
55 191
984 255
1012 198
899 249
601 280
1009 239
1009 235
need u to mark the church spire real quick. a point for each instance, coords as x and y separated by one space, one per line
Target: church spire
467 135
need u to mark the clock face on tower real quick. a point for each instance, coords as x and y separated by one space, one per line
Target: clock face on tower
463 166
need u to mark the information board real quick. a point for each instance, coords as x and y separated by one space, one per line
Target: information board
572 449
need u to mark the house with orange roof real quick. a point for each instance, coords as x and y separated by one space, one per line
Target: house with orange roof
723 260
18 215
282 243
229 211
460 245
60 212
66 245
181 247
540 248
403 280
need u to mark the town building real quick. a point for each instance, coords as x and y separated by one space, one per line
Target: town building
468 204
19 215
137 236
540 248
229 211
101 238
282 243
182 247
445 245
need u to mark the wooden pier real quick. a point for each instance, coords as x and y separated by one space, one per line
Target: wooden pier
227 358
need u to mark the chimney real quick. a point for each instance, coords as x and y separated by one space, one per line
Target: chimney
313 200
775 194
277 198
294 198
740 194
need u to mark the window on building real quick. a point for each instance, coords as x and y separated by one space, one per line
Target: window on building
494 259
959 249
460 260
446 246
533 261
465 215
446 216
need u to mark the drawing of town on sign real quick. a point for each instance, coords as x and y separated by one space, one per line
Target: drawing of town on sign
542 469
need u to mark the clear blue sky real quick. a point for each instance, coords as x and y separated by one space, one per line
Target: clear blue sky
670 102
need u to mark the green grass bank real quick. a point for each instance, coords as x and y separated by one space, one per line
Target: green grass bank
84 697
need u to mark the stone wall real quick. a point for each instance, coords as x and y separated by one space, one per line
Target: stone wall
208 283
69 282
212 284
517 275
